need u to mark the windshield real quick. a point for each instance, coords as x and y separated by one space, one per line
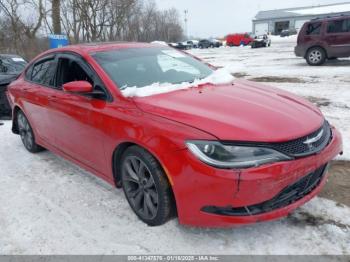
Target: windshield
140 67
9 66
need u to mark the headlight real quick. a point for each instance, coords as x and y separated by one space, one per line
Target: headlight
231 156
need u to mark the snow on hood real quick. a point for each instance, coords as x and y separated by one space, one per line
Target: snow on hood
219 77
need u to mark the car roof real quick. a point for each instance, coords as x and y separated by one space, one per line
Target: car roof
330 18
91 48
105 46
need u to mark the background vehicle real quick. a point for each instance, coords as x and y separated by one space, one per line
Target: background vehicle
181 46
205 43
261 41
238 39
10 67
217 43
322 39
209 43
288 32
193 43
160 43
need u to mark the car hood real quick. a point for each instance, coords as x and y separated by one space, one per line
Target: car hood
244 111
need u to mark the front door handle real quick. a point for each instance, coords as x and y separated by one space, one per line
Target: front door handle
53 97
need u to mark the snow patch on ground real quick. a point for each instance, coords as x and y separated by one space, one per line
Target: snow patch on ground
286 39
219 77
50 206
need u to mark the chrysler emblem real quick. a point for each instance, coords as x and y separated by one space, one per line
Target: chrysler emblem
314 139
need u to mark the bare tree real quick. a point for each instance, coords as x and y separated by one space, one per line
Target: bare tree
24 28
56 16
26 23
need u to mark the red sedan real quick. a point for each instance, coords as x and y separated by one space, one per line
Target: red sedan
180 138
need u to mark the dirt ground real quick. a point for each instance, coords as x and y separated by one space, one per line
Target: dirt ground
338 186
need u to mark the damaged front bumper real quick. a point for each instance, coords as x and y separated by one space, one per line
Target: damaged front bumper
210 197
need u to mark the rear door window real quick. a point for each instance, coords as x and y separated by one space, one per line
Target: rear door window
43 72
338 26
313 28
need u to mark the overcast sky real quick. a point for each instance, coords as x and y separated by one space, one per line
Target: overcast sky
217 18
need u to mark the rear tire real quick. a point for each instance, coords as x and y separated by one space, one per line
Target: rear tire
146 187
27 134
316 56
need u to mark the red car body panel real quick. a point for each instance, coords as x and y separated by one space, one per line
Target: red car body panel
88 131
239 107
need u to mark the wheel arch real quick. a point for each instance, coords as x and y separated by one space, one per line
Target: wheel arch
116 167
118 153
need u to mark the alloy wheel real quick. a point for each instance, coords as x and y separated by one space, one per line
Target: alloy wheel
25 131
315 56
140 187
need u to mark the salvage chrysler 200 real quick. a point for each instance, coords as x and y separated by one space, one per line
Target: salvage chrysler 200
180 137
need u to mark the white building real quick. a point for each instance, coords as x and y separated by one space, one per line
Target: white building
274 21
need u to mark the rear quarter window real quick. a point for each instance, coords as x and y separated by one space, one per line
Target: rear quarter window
338 26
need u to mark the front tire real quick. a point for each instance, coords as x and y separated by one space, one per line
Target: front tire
316 56
27 134
146 187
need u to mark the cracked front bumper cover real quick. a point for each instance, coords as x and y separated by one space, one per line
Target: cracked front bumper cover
287 196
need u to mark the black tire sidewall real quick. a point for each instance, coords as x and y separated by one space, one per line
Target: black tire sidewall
165 204
34 148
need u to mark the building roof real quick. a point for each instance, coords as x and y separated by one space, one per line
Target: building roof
304 11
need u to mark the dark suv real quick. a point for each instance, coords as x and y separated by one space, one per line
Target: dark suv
10 67
322 39
205 43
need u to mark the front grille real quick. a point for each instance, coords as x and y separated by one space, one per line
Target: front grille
298 147
287 196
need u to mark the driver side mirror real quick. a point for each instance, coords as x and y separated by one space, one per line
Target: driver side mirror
82 87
